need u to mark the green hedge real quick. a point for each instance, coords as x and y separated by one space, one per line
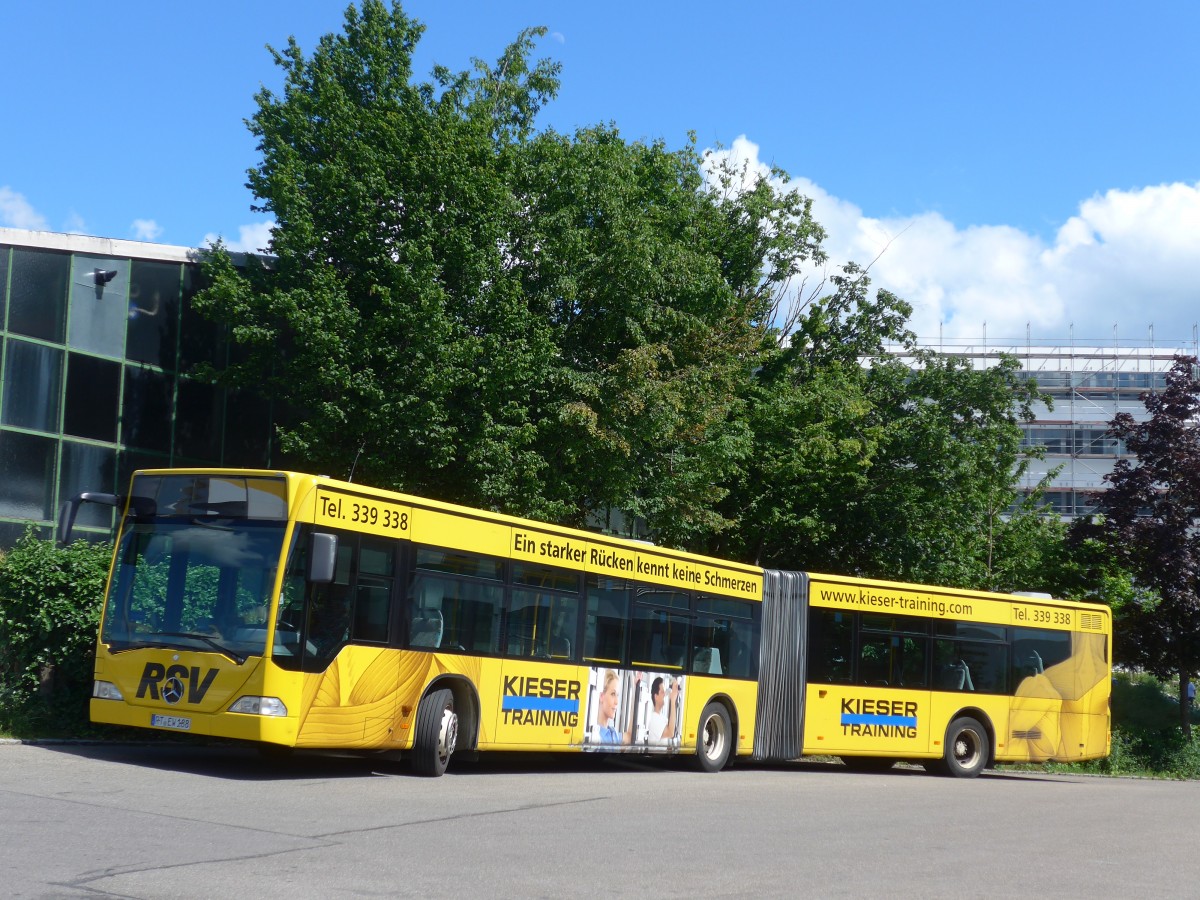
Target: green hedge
50 601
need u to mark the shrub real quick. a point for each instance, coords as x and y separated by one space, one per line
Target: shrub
50 600
1146 738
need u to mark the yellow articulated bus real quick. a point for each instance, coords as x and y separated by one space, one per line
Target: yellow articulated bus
299 611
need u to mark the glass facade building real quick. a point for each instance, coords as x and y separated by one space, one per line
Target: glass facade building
98 343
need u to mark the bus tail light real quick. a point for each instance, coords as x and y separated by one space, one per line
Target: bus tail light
106 690
259 706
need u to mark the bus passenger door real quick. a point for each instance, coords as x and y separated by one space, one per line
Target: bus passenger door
543 693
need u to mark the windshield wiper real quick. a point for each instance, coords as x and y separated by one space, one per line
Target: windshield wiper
216 645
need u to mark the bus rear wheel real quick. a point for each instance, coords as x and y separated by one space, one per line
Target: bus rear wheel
967 748
714 738
436 734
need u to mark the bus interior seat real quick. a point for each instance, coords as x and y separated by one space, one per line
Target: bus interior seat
427 623
957 677
560 648
427 627
707 661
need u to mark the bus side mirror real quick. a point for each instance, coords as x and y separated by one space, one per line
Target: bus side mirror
322 557
70 509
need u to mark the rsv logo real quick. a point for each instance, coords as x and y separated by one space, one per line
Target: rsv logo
174 681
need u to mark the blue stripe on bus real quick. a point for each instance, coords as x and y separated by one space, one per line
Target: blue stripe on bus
903 721
540 703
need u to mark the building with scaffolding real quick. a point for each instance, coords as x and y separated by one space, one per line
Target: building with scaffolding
1088 382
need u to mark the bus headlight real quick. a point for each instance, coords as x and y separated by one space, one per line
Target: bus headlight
259 706
106 690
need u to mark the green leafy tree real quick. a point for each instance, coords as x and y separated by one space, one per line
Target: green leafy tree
901 468
810 409
1147 521
1029 550
387 319
942 483
661 290
544 324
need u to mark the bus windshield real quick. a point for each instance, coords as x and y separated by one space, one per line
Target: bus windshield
196 563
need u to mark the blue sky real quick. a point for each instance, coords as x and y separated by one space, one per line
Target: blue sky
1021 167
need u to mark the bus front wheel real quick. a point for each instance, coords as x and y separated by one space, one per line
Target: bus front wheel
967 748
436 733
714 738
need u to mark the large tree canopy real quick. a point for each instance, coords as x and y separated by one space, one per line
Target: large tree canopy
545 324
659 293
580 327
386 320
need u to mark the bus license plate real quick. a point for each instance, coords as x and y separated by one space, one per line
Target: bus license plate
179 723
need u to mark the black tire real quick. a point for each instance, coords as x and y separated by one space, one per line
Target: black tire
436 734
867 763
967 748
714 738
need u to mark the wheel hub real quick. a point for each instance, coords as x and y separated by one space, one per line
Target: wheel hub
447 734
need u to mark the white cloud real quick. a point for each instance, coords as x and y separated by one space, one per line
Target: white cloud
1129 260
74 224
16 211
146 230
254 238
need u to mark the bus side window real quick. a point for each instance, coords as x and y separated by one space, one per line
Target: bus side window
909 668
542 625
607 614
289 623
527 627
969 666
659 632
831 645
564 624
472 612
742 661
543 614
457 600
722 635
1036 651
373 590
874 660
